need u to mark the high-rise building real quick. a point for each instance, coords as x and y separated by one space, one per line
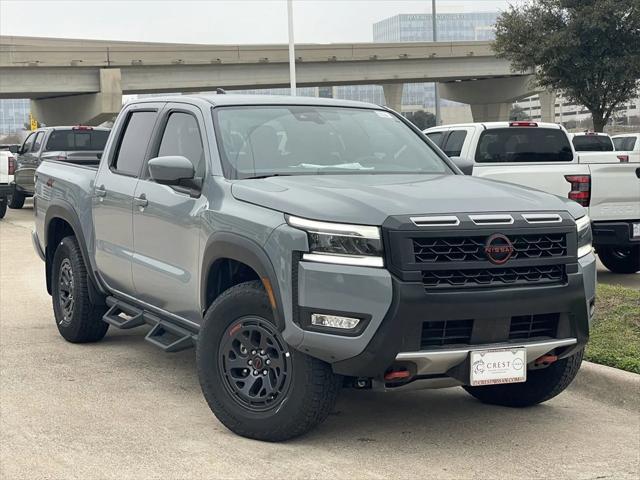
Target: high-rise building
14 113
451 27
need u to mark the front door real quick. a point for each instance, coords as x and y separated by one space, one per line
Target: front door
114 189
166 220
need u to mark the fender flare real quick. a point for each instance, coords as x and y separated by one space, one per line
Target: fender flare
64 211
236 247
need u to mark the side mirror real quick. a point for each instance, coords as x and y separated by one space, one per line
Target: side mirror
463 164
171 170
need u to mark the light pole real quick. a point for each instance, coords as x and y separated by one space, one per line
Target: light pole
292 53
435 84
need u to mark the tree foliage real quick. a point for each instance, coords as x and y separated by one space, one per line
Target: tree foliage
422 119
587 49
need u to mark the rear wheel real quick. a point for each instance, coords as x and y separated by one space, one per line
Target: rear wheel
254 383
3 207
541 385
16 200
620 259
77 318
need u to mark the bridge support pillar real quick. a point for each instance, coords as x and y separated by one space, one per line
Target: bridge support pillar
548 106
393 95
86 109
491 112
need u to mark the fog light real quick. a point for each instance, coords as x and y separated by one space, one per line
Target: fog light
333 321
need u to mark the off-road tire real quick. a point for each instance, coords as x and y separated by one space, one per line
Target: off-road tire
84 323
620 260
16 200
541 385
312 388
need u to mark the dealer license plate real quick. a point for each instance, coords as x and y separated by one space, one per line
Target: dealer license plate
501 365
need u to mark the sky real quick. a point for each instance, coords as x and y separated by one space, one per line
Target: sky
215 21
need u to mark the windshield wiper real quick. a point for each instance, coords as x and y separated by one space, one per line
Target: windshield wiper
269 175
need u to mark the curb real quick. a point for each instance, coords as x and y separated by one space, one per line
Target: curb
608 385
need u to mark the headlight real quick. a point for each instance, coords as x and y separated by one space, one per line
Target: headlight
585 238
341 243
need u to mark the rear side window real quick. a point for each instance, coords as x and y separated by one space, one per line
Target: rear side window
454 143
436 137
625 144
77 140
134 142
592 143
182 137
523 144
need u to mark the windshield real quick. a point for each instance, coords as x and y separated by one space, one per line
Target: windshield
77 140
524 144
257 141
592 143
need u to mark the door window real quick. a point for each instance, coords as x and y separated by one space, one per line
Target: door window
454 143
37 142
182 137
436 137
134 142
28 143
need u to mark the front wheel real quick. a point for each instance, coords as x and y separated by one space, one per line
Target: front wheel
254 383
541 385
620 259
16 200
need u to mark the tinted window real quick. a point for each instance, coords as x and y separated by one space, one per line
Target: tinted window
77 140
182 137
626 144
523 144
37 142
26 146
134 141
436 137
314 140
455 141
592 143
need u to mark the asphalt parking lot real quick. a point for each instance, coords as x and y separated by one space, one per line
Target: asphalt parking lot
123 409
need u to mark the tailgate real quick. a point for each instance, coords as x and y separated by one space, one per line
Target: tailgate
549 178
615 191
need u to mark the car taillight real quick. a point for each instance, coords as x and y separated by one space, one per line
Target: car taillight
580 188
523 124
12 166
623 158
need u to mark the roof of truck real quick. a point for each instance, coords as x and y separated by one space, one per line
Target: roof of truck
490 125
233 99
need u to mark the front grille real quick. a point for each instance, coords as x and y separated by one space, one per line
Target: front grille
487 277
470 249
448 332
529 326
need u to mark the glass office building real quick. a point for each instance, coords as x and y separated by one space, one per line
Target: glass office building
451 27
14 113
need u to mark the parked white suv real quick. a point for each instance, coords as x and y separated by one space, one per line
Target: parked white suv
541 156
629 143
7 170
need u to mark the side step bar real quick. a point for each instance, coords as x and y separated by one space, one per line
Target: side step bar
164 334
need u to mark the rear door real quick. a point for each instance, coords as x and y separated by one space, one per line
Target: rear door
536 157
166 220
114 189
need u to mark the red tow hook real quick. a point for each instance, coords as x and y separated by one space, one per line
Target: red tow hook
545 360
399 375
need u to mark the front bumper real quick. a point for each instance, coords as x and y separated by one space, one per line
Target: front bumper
615 234
397 336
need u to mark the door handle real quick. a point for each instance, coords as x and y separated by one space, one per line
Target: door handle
141 201
100 191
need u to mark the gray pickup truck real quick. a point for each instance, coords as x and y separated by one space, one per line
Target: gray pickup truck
303 245
79 144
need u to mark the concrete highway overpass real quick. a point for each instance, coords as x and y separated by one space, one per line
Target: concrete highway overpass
73 81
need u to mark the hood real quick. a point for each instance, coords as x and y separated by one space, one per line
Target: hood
370 199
